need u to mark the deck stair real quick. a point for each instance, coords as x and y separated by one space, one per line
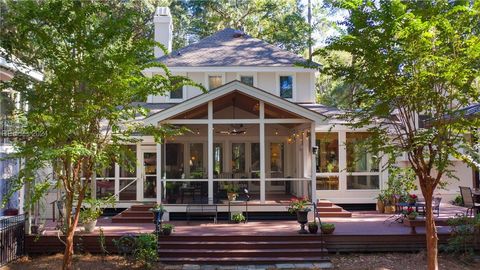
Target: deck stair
135 214
241 249
327 209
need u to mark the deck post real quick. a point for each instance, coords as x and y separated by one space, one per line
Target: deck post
314 162
159 173
262 152
140 172
210 152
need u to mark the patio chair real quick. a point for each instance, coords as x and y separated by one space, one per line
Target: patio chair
469 201
420 206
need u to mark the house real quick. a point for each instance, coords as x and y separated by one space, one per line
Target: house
10 102
257 130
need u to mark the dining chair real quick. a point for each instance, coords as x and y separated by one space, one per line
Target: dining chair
469 201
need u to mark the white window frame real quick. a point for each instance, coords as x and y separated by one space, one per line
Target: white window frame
294 84
168 99
252 74
207 75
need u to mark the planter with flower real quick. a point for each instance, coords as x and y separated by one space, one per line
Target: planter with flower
327 228
158 210
232 191
412 199
92 209
411 214
301 208
313 227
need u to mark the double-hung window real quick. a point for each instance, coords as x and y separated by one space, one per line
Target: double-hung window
286 86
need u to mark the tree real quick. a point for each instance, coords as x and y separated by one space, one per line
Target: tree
279 22
413 60
92 54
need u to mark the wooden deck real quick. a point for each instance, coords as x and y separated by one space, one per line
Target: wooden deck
365 231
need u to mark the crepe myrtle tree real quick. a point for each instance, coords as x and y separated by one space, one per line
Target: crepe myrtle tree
415 65
83 112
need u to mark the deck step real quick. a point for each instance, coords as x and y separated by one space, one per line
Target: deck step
122 219
241 245
335 214
138 213
244 260
333 208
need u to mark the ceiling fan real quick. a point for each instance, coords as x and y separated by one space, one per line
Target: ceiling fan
236 129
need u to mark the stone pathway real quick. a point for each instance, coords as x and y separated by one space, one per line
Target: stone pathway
280 266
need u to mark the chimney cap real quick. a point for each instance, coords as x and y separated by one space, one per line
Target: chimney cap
162 11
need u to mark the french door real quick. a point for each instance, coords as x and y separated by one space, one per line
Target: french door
148 183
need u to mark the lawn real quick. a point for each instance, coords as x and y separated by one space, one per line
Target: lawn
393 261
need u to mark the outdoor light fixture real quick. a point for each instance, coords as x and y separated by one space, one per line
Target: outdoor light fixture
315 150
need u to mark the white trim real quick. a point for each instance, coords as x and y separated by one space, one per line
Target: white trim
245 74
151 70
210 153
294 84
262 151
207 81
236 121
230 87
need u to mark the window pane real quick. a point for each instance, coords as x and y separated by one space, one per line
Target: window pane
363 182
196 161
276 160
286 86
255 157
358 157
238 157
327 183
327 157
214 82
248 80
105 188
177 94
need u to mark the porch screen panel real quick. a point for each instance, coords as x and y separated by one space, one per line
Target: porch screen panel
128 174
255 159
105 181
185 192
197 170
150 181
217 159
172 159
238 159
327 157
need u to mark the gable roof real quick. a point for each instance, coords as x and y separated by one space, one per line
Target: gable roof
228 88
231 47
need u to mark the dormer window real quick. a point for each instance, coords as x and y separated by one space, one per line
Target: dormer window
177 94
286 86
248 80
214 81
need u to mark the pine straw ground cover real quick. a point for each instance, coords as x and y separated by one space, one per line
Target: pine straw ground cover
377 261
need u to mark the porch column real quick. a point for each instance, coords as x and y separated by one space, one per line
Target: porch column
262 152
314 162
342 160
159 173
139 172
210 152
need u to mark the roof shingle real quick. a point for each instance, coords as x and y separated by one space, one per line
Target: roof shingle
230 48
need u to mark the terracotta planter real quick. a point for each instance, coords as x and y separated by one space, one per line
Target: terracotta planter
412 217
380 206
389 209
90 226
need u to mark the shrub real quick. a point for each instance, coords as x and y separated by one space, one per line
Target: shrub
238 217
464 234
140 249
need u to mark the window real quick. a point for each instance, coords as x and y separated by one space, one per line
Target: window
276 160
255 158
238 157
359 159
327 158
363 182
286 86
196 161
248 80
214 81
177 94
327 182
217 159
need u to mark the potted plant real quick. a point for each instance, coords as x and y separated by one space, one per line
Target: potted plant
300 207
167 229
313 227
380 203
232 191
411 214
92 210
412 199
327 228
389 207
238 217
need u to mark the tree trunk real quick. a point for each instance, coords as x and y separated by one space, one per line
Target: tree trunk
68 254
430 232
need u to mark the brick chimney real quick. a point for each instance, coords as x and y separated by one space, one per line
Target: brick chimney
163 29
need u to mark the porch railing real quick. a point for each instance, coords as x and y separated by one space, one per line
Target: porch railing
12 238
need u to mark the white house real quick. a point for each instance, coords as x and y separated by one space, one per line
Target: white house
258 127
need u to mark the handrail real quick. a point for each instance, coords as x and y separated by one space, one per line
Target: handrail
316 215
